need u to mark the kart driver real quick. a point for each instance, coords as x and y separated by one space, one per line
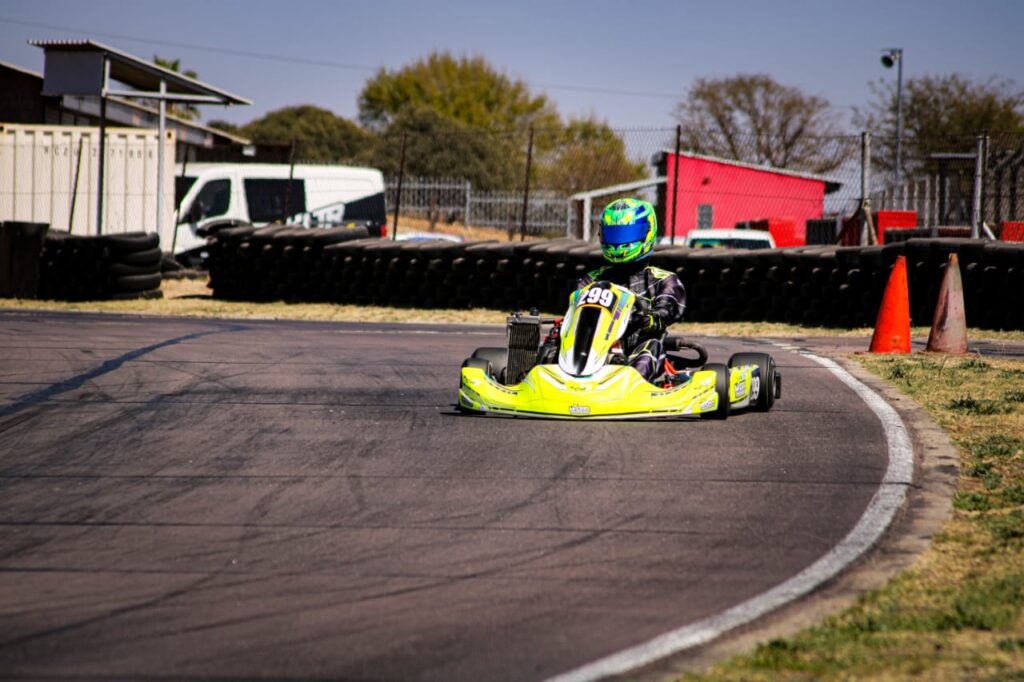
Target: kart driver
628 232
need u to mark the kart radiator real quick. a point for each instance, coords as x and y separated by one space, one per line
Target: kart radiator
523 344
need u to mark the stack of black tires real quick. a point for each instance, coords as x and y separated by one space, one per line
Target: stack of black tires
21 247
74 268
134 265
118 266
823 285
277 262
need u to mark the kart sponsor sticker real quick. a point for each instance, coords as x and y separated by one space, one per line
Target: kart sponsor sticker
708 404
741 387
579 410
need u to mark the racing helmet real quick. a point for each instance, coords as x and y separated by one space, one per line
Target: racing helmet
628 230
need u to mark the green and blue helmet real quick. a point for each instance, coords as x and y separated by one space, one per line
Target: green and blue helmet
628 230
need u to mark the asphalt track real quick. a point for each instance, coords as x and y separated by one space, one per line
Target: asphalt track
201 500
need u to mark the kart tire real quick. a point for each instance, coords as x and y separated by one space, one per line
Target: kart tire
476 363
133 242
123 270
496 358
137 282
147 257
722 389
770 379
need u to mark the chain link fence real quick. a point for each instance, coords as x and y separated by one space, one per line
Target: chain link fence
556 183
975 183
454 201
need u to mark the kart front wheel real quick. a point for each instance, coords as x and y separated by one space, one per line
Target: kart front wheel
497 358
721 388
770 379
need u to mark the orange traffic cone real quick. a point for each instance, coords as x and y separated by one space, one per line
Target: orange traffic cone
892 329
949 326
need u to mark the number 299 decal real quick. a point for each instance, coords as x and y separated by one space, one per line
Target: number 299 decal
598 296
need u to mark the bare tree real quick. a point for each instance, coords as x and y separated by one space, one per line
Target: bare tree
941 113
752 118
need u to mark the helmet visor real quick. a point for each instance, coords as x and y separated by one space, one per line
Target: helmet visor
624 234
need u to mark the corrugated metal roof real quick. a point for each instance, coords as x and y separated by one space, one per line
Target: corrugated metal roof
20 69
831 184
139 73
150 110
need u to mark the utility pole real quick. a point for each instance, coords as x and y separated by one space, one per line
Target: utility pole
894 56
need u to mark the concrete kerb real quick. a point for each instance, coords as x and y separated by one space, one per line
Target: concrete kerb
927 506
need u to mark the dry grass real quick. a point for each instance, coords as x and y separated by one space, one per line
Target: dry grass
192 298
959 612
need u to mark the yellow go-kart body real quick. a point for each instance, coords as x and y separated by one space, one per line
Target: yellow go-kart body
585 384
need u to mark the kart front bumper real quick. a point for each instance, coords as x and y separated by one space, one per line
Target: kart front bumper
614 392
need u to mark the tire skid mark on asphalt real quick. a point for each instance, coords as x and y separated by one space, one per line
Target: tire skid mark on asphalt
31 399
139 414
156 600
881 510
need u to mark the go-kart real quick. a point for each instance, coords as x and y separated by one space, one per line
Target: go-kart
591 379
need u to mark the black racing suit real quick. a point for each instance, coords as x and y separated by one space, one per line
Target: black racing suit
660 302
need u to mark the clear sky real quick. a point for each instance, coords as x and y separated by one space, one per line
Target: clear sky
320 52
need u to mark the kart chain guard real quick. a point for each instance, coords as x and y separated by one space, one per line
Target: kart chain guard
523 344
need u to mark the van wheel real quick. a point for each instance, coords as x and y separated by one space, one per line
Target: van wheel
722 389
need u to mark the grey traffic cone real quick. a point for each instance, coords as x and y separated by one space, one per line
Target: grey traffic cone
949 326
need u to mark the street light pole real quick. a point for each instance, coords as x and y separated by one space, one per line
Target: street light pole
894 55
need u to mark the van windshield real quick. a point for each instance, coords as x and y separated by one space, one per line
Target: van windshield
213 199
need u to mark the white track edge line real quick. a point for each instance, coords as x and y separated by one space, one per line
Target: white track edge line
886 501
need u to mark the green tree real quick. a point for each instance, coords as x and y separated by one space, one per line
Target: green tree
226 126
587 154
437 146
940 114
320 136
752 118
466 90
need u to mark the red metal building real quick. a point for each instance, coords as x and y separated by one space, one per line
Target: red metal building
719 193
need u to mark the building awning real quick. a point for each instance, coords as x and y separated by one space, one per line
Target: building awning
76 67
127 112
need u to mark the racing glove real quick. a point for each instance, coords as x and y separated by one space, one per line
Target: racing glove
648 323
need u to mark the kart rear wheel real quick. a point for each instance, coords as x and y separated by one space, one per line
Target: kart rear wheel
721 388
770 379
497 357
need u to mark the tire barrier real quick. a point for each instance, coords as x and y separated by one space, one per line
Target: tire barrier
813 285
21 247
118 266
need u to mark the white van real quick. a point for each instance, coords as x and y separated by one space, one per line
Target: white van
210 194
722 238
